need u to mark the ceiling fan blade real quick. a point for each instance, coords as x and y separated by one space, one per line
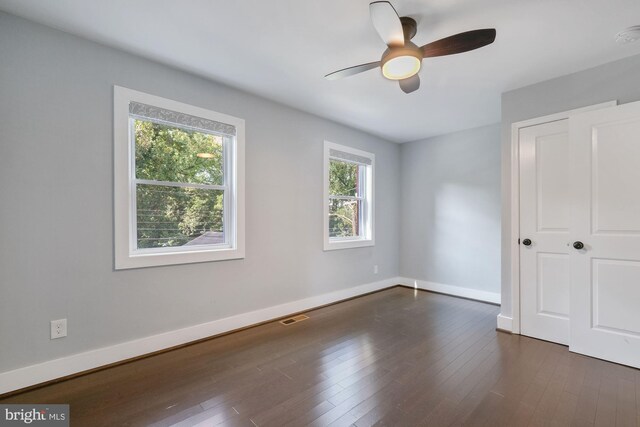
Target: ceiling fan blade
459 43
411 84
346 72
387 23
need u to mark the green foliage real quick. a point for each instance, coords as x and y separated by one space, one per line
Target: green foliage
166 153
172 216
343 214
343 178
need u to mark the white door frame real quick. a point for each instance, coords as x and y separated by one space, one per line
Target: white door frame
514 233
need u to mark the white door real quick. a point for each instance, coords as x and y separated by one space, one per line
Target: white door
605 218
544 231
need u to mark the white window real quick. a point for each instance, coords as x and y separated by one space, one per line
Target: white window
179 182
348 197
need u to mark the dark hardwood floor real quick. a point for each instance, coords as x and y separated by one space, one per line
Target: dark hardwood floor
395 358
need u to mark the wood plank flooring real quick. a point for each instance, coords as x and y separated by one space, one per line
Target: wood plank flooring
395 358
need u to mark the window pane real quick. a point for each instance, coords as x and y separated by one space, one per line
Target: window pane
176 216
169 153
344 178
344 218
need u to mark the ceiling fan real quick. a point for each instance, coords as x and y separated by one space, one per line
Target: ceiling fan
402 59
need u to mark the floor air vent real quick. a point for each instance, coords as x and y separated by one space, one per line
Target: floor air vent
294 319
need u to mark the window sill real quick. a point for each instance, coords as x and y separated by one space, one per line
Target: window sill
332 245
150 259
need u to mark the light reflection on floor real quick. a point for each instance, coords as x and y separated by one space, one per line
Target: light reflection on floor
215 411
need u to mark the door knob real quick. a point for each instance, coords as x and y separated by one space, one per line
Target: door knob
526 242
578 245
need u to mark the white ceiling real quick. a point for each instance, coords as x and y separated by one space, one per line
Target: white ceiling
281 49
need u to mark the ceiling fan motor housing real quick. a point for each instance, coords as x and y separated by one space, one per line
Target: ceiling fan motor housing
409 27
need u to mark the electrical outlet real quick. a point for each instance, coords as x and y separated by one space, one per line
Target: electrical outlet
58 328
375 269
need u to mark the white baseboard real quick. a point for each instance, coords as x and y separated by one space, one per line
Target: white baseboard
58 368
505 323
457 291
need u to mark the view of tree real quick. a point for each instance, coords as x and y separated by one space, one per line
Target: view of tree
169 215
174 216
343 213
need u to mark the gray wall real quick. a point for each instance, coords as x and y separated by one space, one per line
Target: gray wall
56 201
619 80
450 211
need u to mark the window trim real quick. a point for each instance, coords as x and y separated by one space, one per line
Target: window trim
126 254
336 243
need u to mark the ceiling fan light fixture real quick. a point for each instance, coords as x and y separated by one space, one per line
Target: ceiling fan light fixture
401 67
402 60
399 63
